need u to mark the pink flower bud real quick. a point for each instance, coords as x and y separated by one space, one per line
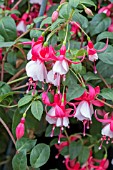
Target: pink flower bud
88 12
55 16
63 50
20 129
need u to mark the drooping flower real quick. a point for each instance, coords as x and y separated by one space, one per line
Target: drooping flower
20 129
84 109
58 115
103 164
92 52
107 130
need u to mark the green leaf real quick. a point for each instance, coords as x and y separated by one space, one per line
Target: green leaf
8 28
25 144
107 94
37 109
24 100
84 154
90 76
19 161
80 19
74 3
99 23
77 67
74 92
107 55
38 19
75 149
65 151
104 35
6 44
46 21
56 23
88 2
4 88
9 68
39 155
2 97
35 34
65 11
103 69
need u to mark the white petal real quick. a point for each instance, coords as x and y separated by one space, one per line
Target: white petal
78 114
85 110
91 109
21 26
106 131
36 2
65 65
65 121
51 112
36 70
59 122
29 55
51 120
93 57
58 68
50 78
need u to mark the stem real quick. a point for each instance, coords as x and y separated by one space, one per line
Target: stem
20 87
8 106
22 35
83 31
8 130
17 74
19 79
107 104
67 135
64 42
103 80
16 5
76 75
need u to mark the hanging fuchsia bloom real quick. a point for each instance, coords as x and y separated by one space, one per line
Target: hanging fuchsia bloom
68 162
107 130
39 54
58 115
22 25
92 52
20 129
84 109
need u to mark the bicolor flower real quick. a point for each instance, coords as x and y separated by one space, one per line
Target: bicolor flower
84 109
107 130
92 52
58 115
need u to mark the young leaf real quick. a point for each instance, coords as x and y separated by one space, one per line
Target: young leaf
74 3
84 154
37 109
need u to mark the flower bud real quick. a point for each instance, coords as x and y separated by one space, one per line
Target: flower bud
20 129
88 11
55 16
63 50
110 28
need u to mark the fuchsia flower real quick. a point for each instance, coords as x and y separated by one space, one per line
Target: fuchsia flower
76 165
84 110
20 129
22 25
92 52
58 115
38 55
107 130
